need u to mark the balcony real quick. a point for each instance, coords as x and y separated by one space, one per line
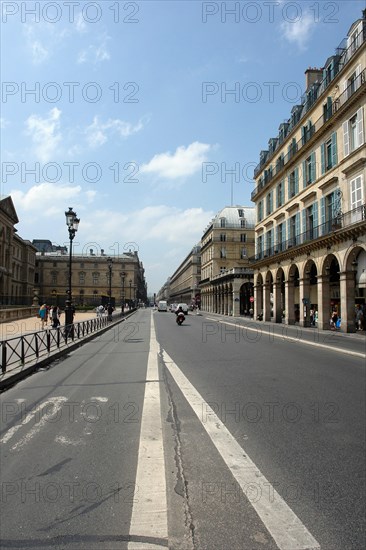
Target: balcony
342 221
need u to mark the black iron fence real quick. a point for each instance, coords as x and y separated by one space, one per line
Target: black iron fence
17 351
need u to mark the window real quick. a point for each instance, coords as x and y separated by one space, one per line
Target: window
222 222
280 162
82 265
280 194
281 237
328 151
293 183
54 264
53 278
223 252
309 170
327 109
260 247
353 136
81 277
243 237
293 230
269 203
329 208
243 253
260 211
269 242
95 278
306 132
223 237
240 213
357 199
242 223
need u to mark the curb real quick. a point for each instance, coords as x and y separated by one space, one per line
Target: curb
34 367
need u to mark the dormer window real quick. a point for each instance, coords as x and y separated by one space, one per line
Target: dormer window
240 213
222 222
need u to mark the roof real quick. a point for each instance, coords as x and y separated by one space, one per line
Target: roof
233 215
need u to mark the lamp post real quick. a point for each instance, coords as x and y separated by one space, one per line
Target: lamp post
130 292
123 275
110 262
72 223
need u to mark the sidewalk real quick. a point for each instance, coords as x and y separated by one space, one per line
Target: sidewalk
33 324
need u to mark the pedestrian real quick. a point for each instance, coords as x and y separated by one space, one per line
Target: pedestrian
312 317
110 310
100 311
334 320
359 318
43 314
55 316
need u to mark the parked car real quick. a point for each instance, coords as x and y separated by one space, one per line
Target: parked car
184 308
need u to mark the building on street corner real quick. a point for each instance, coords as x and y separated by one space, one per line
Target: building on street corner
310 232
226 273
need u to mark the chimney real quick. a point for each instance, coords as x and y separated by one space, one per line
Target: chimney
91 252
312 74
102 251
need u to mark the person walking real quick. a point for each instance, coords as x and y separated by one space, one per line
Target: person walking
55 316
43 314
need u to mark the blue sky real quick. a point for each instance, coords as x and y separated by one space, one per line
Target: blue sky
132 122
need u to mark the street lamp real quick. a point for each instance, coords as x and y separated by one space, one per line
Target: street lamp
123 275
72 223
110 262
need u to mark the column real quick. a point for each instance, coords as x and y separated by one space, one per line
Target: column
258 300
267 302
347 291
304 292
289 303
277 305
324 302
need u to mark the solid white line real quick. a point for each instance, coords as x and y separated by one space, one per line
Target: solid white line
282 523
291 339
149 512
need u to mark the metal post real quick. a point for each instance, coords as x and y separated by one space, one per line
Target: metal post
72 223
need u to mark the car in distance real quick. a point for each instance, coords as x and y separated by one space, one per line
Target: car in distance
163 305
173 307
184 308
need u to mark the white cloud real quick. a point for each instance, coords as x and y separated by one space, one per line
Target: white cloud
299 31
39 52
153 224
184 162
3 123
97 132
45 134
45 199
95 53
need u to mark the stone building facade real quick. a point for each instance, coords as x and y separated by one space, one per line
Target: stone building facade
310 198
17 260
90 278
184 283
226 273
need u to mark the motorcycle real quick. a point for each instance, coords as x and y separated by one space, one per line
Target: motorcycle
180 318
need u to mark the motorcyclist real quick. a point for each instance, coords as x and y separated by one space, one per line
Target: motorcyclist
179 312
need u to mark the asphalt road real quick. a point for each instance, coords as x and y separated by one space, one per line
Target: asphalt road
209 436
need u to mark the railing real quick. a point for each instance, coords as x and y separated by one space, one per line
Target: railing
339 222
17 351
327 115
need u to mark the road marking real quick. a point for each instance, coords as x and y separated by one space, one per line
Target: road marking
285 527
56 403
149 512
291 339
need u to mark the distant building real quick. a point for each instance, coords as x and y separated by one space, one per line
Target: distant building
310 198
184 283
43 245
90 278
226 274
17 259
